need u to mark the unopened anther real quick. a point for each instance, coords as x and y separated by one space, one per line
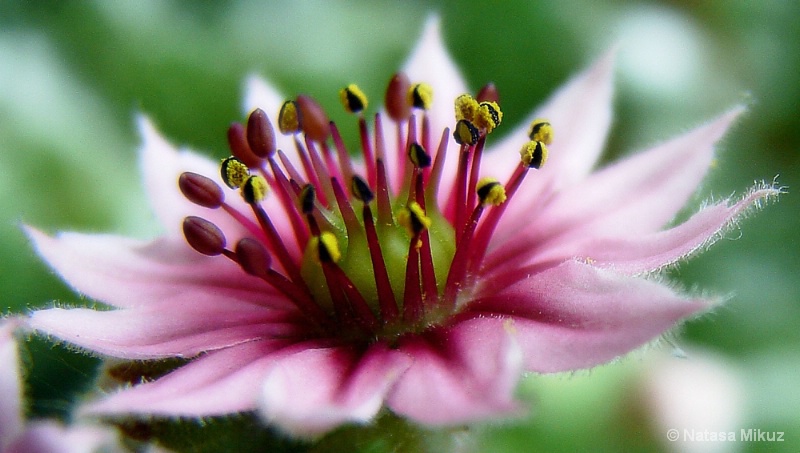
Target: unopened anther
200 190
203 236
260 134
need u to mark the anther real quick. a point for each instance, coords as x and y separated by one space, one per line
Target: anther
420 95
260 135
253 257
233 172
327 247
254 189
396 105
533 154
414 219
203 236
315 123
360 190
466 133
289 119
419 157
353 99
488 116
490 191
541 131
466 107
307 196
237 142
200 190
488 93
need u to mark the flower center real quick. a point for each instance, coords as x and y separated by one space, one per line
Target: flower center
373 258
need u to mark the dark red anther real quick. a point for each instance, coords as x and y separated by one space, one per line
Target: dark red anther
396 100
253 257
488 93
203 236
260 134
237 142
316 124
201 190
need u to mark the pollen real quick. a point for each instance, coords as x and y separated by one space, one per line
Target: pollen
233 172
490 192
466 107
488 116
541 131
353 99
327 247
420 95
419 157
466 133
289 118
533 154
254 189
413 218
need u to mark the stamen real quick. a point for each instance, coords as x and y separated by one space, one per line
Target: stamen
533 154
353 99
488 93
200 190
432 192
254 189
327 248
465 133
260 135
488 116
541 131
420 96
419 157
466 108
490 192
397 106
237 142
289 118
360 190
315 122
233 172
413 218
203 236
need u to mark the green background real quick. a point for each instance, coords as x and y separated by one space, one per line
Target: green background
73 75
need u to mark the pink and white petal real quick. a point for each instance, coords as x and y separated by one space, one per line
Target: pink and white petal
52 437
155 332
218 383
646 253
576 316
316 390
127 272
430 62
10 386
260 94
634 196
580 113
460 374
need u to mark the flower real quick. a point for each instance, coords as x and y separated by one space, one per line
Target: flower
39 436
332 287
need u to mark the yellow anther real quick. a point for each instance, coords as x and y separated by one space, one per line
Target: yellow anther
420 95
488 116
418 156
414 219
254 189
353 99
533 154
289 118
233 172
541 131
466 133
325 248
490 191
466 108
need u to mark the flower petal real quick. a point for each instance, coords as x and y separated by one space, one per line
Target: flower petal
217 383
156 332
315 390
576 316
634 196
126 272
645 253
459 375
50 437
10 387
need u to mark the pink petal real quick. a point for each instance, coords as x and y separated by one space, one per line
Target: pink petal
577 316
637 195
316 390
645 253
155 332
459 375
218 383
51 437
129 273
10 387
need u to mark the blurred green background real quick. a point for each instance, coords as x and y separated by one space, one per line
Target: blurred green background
74 74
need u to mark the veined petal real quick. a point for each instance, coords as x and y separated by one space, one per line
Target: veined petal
126 272
576 316
316 390
10 387
459 375
156 332
634 196
218 383
645 253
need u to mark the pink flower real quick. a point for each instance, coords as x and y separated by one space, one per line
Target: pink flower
40 436
554 269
